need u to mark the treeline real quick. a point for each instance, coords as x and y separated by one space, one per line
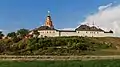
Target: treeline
19 33
50 46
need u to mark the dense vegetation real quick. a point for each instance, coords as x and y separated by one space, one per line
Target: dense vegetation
52 46
95 63
17 44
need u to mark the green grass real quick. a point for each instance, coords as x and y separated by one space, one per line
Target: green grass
96 63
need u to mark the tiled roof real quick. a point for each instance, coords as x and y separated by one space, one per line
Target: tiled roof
109 31
80 28
45 28
88 28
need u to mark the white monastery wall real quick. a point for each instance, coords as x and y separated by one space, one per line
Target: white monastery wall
68 34
48 33
87 34
54 33
107 35
90 33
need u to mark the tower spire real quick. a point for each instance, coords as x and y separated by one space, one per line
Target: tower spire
48 21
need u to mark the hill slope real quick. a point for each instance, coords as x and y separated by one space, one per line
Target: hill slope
61 46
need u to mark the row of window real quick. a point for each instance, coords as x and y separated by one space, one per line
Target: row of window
77 32
48 32
91 32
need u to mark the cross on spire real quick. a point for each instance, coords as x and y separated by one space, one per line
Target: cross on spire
48 13
93 23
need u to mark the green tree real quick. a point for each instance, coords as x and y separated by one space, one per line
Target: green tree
82 46
36 33
12 34
1 34
16 39
22 32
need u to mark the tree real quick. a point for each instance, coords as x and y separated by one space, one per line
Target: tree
82 46
16 39
36 33
12 34
22 32
1 34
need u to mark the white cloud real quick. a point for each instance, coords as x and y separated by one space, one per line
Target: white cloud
108 17
1 30
104 7
4 31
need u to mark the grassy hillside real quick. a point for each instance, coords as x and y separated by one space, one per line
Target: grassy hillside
60 46
95 63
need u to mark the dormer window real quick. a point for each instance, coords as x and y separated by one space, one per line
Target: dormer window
83 28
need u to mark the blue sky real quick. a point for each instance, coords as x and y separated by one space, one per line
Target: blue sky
16 14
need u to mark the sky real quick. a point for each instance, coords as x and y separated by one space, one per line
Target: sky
66 14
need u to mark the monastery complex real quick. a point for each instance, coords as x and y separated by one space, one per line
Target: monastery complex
48 30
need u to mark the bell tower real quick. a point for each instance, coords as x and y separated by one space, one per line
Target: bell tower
48 21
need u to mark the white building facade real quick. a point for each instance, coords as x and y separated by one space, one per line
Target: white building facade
48 30
59 33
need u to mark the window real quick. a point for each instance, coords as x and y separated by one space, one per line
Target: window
83 28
